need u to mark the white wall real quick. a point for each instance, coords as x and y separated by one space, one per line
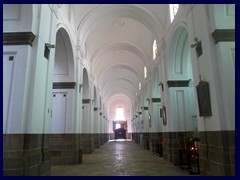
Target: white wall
210 68
226 60
42 71
221 16
35 105
14 96
17 17
62 111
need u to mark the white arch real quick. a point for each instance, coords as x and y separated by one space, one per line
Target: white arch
85 84
70 44
181 99
63 99
176 63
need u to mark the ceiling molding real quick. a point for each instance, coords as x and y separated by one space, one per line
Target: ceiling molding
223 35
18 38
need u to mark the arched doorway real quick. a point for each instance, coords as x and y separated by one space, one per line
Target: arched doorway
63 141
182 119
63 85
180 82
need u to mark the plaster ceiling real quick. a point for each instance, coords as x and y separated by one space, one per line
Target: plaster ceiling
117 41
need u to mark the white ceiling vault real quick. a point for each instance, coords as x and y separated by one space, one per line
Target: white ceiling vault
117 41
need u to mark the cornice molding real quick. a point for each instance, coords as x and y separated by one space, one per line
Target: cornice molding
18 38
223 35
64 85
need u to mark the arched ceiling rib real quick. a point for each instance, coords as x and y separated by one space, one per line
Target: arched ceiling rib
117 43
118 84
121 77
116 48
123 80
118 90
121 97
121 71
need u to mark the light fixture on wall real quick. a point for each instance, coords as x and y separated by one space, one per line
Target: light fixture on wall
50 46
47 50
161 84
198 46
148 99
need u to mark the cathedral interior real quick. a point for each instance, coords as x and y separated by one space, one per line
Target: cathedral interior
118 89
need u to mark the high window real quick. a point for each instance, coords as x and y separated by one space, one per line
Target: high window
173 10
145 72
119 114
155 52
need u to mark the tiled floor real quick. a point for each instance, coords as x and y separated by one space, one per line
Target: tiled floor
120 158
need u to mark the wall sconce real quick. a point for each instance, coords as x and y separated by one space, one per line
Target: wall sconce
149 120
198 46
47 50
161 84
148 100
50 46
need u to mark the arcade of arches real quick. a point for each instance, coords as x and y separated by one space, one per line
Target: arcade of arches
77 76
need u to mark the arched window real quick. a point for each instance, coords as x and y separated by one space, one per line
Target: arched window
119 114
173 10
145 72
155 52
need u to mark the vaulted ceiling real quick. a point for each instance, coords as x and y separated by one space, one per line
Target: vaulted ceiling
117 40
